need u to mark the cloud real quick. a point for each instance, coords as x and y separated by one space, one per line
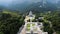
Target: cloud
33 1
6 1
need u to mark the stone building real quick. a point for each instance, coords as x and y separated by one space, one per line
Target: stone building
32 27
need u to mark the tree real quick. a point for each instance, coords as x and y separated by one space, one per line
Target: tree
54 18
10 22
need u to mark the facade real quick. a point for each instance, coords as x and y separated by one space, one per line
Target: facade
33 27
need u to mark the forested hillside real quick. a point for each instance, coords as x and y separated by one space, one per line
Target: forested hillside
13 12
10 22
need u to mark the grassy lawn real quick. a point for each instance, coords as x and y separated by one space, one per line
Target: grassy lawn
28 27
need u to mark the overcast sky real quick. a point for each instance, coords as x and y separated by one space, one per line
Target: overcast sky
7 2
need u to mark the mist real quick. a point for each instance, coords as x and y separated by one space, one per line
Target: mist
8 2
